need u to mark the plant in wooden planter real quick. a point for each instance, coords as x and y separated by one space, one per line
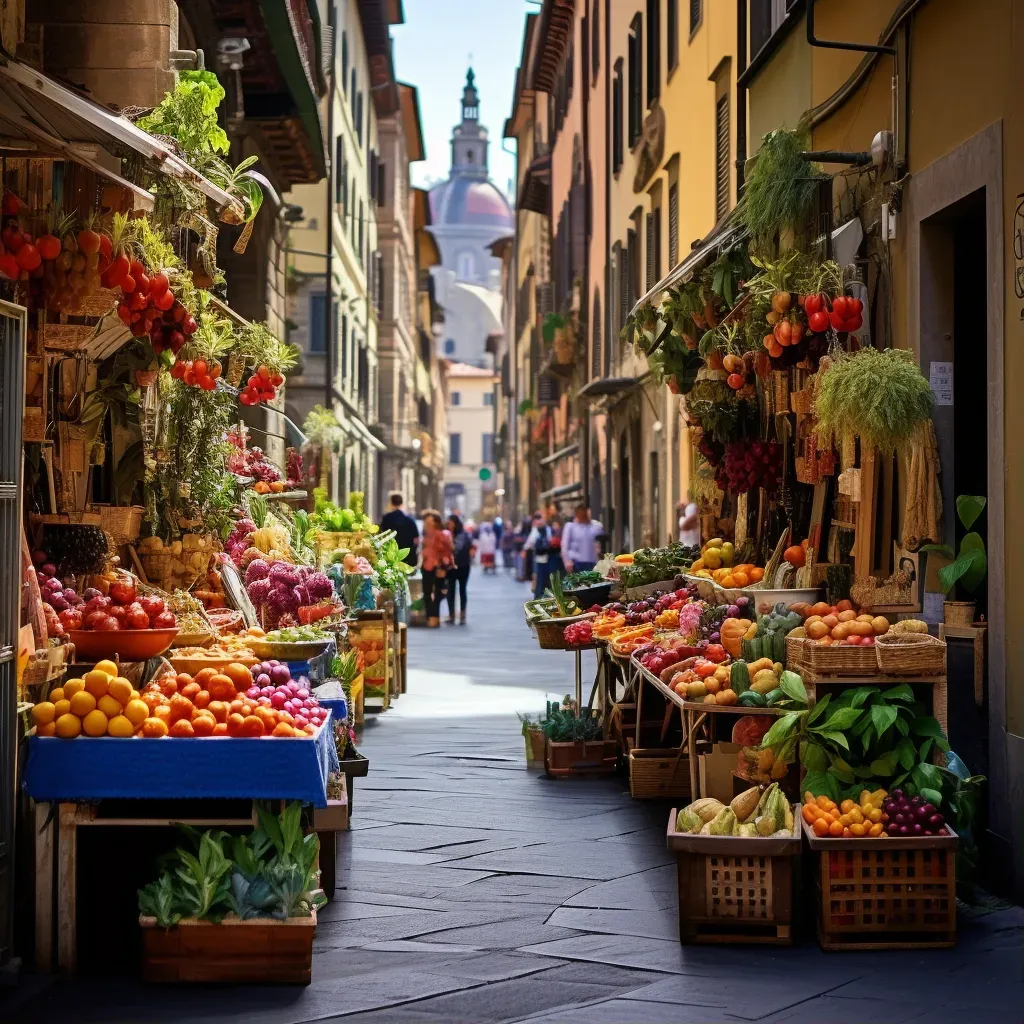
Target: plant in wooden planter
558 331
238 908
967 572
574 741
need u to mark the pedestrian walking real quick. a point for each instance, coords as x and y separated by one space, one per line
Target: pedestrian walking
509 540
487 546
689 523
438 558
406 533
538 544
463 550
579 541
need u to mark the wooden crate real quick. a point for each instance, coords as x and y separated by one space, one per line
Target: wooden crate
885 894
659 774
733 889
567 760
256 951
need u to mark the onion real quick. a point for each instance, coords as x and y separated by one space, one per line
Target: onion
917 827
279 674
263 680
253 692
49 569
302 693
277 700
90 592
893 829
293 686
263 701
267 691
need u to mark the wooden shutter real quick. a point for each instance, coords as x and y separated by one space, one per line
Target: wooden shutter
549 391
672 33
722 157
694 15
657 245
649 232
596 360
673 224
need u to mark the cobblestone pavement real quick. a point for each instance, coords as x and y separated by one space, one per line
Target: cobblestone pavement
477 892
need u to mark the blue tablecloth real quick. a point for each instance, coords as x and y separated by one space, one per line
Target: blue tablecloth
212 767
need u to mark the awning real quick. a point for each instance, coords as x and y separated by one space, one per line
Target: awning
724 236
355 428
535 193
34 106
565 491
607 386
563 453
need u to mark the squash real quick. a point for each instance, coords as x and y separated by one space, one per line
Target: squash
739 677
732 632
764 682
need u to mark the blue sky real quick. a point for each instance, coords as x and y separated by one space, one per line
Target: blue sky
431 51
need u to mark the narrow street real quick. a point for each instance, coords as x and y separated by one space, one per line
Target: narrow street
475 891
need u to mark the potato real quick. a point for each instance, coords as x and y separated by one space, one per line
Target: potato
830 620
821 609
864 618
880 625
811 619
712 684
858 628
841 631
816 630
848 616
709 698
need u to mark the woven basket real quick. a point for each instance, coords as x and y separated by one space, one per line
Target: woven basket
833 661
801 401
122 522
958 613
551 632
910 654
658 774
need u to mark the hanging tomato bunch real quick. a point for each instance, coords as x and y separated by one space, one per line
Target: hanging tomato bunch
148 306
845 316
198 373
261 387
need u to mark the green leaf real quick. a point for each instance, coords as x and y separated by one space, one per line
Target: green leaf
933 796
859 696
882 716
835 737
969 566
885 765
782 729
841 770
939 549
819 708
867 737
927 727
901 726
863 773
925 750
927 776
793 686
814 757
974 545
969 507
903 692
822 784
842 718
906 754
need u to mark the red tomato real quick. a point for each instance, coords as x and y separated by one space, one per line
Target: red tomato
158 284
153 605
819 321
71 618
122 591
814 304
137 617
108 625
48 246
164 300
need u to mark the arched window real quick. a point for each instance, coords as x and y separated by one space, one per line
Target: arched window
466 266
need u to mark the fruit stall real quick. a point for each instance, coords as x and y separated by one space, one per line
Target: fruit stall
784 683
197 636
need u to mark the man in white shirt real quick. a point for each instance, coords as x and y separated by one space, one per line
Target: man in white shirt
689 524
579 541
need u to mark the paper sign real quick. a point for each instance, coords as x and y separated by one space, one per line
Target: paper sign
940 379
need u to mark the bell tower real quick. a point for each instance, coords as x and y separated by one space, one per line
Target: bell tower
469 139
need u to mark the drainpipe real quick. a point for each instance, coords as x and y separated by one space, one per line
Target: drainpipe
741 94
511 414
584 428
611 329
833 45
329 340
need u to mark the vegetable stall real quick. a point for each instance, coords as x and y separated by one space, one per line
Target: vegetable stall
194 640
779 681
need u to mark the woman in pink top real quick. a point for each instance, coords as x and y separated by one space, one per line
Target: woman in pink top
437 556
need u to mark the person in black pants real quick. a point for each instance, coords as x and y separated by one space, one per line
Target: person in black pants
406 533
458 576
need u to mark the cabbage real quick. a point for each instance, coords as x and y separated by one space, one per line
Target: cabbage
319 586
259 591
284 574
257 570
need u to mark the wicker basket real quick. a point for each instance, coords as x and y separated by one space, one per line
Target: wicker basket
832 661
659 774
910 654
551 632
122 522
958 613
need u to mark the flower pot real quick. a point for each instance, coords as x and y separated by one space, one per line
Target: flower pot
598 757
256 951
958 613
565 347
534 745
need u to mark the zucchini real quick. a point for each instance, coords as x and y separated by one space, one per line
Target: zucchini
771 699
739 677
751 699
779 648
750 650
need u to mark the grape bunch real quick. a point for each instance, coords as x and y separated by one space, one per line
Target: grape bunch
749 465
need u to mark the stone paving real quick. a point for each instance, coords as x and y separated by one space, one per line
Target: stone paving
477 892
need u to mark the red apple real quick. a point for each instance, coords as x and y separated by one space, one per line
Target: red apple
165 620
109 624
137 617
122 591
153 605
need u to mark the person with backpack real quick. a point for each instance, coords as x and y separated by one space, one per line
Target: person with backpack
539 543
463 550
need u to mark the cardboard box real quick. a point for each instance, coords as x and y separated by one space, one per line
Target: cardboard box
716 771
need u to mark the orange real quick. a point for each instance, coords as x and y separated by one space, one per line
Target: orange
97 683
239 675
253 725
835 829
71 687
50 729
234 724
82 703
204 675
203 724
189 690
43 713
67 726
153 728
110 706
283 729
120 726
163 712
183 680
825 804
61 707
857 830
202 699
181 708
108 667
95 724
182 728
756 574
221 687
121 690
135 695
168 685
218 709
220 729
136 712
58 694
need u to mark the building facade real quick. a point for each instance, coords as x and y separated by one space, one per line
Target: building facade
469 482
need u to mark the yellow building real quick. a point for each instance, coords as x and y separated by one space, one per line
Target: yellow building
934 98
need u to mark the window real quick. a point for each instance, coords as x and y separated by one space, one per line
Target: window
379 259
359 118
487 448
361 233
456 398
344 350
617 117
631 261
466 266
656 217
649 232
449 347
695 11
624 271
653 51
454 449
316 340
673 224
722 156
766 18
339 169
344 60
488 400
371 174
382 179
634 60
672 34
595 41
352 94
364 376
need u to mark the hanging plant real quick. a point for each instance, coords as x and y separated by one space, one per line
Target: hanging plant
780 189
877 396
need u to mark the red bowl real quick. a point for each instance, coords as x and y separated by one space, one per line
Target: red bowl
126 644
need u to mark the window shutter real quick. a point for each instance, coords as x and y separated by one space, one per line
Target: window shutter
625 283
596 361
315 339
672 32
722 157
694 15
673 225
381 182
649 231
339 168
657 245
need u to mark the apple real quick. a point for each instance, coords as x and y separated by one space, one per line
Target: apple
122 591
108 624
154 605
165 620
71 618
137 617
99 603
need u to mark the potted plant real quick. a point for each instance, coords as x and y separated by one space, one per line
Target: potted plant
235 908
966 573
533 734
557 330
574 742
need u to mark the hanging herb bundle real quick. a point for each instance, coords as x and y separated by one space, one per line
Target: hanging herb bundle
722 416
781 188
878 396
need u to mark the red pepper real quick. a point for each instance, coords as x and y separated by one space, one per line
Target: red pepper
715 653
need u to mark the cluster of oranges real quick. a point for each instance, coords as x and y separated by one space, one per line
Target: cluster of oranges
852 819
213 703
102 703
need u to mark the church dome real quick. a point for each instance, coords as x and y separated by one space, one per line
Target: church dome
463 200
